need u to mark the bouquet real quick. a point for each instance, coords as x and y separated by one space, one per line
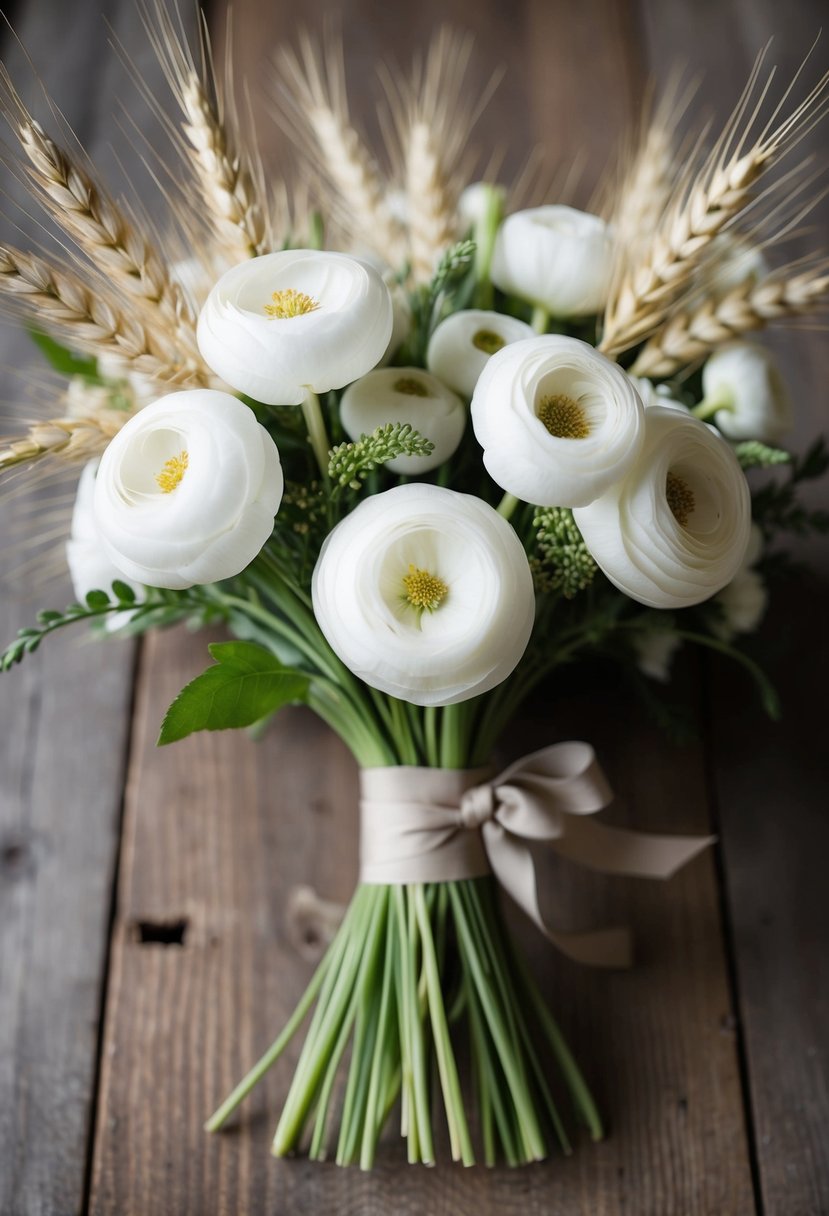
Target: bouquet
416 443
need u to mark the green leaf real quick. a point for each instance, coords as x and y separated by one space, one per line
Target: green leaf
123 592
97 599
63 360
247 684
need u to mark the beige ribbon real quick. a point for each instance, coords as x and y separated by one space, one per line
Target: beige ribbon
435 825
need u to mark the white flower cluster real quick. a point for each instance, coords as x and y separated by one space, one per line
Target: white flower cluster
423 592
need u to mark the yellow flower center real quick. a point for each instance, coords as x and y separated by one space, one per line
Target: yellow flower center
411 386
172 472
424 590
563 417
488 342
290 303
680 499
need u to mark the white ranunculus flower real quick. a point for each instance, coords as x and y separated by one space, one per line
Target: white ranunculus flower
557 258
558 422
463 343
90 566
744 600
279 325
676 529
742 603
187 491
475 202
426 594
743 381
656 394
655 649
406 394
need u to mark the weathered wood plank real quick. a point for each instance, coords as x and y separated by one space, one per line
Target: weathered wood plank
218 830
64 719
770 780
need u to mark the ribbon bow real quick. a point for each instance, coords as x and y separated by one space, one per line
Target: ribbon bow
415 827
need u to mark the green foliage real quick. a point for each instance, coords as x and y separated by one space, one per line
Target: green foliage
563 562
454 271
755 455
97 604
350 463
247 684
451 268
157 609
776 507
63 360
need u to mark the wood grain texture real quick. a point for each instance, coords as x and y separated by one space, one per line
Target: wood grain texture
770 780
64 724
218 830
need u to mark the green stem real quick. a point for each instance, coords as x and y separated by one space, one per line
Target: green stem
540 319
430 728
709 406
314 421
220 1116
507 505
459 1137
486 230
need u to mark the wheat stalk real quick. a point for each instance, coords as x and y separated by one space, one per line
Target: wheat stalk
60 300
706 202
691 335
313 105
76 439
225 182
102 230
434 112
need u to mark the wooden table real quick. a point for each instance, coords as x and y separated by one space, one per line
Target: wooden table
144 960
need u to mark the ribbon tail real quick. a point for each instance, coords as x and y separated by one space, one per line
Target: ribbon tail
514 867
621 851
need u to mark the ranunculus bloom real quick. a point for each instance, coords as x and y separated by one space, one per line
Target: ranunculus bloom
406 394
90 566
475 200
676 529
187 492
558 422
656 394
279 325
555 257
425 594
464 342
743 378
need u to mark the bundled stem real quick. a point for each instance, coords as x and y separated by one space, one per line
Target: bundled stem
382 988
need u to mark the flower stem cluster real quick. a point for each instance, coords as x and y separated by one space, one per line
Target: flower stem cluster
563 562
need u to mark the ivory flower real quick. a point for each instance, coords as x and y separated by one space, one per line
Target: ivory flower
475 201
656 394
555 257
742 604
655 650
425 594
464 342
90 566
676 529
187 491
743 601
406 394
744 382
279 325
558 422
